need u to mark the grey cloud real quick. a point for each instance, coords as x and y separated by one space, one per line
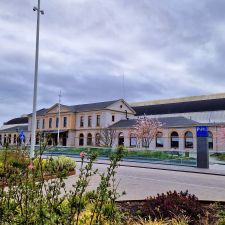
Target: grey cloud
165 48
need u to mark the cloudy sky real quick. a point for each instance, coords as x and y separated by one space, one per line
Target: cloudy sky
164 48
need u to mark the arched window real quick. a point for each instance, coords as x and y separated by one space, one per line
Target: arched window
9 138
97 139
121 139
174 140
14 139
89 139
159 140
81 140
210 140
188 139
5 139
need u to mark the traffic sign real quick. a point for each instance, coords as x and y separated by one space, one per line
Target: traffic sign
22 136
202 131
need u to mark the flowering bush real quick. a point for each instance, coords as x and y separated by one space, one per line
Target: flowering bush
30 199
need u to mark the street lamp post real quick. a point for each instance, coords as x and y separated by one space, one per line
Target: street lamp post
33 125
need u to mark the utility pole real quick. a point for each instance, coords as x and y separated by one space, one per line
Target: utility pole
33 125
59 124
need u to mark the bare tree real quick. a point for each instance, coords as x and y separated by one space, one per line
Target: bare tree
145 130
107 137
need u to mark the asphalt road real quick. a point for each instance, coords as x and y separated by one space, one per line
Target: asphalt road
140 183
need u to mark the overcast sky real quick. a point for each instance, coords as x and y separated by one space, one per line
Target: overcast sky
164 48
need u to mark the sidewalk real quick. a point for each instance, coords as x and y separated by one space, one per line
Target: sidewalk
215 169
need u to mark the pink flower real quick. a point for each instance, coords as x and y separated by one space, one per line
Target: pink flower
82 154
31 166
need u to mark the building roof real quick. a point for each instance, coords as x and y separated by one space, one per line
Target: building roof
20 120
166 122
15 129
182 99
40 112
81 107
181 107
92 106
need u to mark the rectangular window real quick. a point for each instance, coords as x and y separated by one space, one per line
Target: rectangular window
43 124
81 121
37 124
145 142
50 123
89 121
133 141
98 121
57 122
159 140
113 118
64 121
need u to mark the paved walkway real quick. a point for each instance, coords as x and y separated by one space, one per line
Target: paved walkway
215 169
140 183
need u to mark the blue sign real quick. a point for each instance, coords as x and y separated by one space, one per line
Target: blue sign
22 136
202 131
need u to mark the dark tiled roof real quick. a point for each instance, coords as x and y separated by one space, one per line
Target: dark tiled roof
82 107
166 121
14 129
40 112
181 107
20 120
91 106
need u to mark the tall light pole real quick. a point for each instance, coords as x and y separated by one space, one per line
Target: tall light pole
33 125
59 123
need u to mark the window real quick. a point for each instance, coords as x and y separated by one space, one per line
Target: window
97 139
38 124
113 118
121 106
64 121
9 138
81 121
210 140
98 121
5 138
121 139
89 139
14 139
145 142
159 140
57 122
174 140
0 139
133 141
43 124
188 139
81 140
50 123
89 121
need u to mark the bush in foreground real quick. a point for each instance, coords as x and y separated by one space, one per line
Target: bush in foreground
30 199
173 204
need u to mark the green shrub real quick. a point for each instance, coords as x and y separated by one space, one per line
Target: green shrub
64 163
